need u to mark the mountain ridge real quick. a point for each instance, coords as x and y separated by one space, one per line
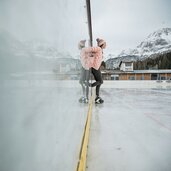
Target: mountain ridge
156 43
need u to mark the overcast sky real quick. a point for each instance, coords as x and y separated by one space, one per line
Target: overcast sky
122 23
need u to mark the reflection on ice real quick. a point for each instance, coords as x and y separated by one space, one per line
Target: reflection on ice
41 125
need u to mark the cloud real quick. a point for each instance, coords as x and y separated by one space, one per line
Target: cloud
123 23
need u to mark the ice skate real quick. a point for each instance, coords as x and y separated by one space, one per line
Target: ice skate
98 100
83 100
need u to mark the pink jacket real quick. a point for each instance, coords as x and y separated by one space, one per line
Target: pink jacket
91 57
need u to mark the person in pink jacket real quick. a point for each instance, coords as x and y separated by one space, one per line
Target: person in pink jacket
91 58
97 73
84 77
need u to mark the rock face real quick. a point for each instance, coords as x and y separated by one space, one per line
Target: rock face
156 45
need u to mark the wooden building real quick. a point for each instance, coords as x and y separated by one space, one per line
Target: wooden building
126 72
146 75
136 75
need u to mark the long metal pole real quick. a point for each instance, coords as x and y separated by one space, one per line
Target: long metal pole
88 5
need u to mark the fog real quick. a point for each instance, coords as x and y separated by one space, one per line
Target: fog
123 24
41 120
34 34
39 111
60 22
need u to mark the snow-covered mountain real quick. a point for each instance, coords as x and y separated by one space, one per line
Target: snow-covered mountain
36 55
43 49
113 63
157 42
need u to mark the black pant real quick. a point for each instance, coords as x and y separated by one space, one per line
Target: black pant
98 77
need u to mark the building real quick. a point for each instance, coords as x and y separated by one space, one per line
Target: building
146 75
164 74
126 66
126 72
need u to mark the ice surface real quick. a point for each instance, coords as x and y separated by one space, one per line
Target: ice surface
41 124
132 130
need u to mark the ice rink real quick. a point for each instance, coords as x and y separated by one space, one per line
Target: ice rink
131 131
41 126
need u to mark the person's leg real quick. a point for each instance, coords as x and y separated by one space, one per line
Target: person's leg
95 83
82 80
87 78
98 77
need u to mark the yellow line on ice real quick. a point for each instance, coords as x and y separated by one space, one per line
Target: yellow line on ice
81 166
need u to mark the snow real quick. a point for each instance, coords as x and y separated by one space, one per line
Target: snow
42 123
156 43
149 47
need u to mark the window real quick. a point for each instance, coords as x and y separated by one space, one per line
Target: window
153 76
142 77
163 78
131 78
114 77
128 64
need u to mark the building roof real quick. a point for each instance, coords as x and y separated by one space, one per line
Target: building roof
159 71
